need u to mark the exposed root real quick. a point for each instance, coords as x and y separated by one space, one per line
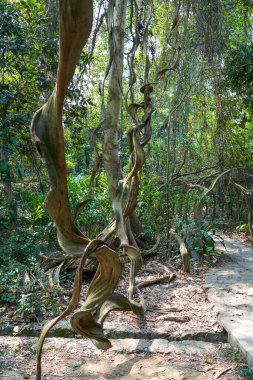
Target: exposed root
159 280
222 372
164 311
173 318
151 250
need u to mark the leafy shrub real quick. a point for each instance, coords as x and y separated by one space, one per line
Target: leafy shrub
246 372
150 207
198 239
10 281
95 216
28 289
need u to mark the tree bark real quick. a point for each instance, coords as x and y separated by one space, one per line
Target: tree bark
111 157
47 129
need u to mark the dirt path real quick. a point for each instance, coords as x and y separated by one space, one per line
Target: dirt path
72 359
230 290
179 338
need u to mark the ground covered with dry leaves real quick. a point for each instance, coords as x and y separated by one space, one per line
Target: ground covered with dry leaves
178 312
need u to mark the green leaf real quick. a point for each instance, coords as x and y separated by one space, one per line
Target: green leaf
14 140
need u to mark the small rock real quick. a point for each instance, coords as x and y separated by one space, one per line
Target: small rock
15 330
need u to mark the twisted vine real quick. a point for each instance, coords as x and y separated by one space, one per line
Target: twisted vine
47 133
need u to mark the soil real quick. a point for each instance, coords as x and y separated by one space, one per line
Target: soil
240 237
69 359
177 311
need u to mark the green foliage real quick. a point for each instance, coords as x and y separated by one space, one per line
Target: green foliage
26 244
77 365
27 65
36 236
198 240
206 100
38 298
96 214
29 290
10 280
22 248
245 371
232 353
239 69
149 208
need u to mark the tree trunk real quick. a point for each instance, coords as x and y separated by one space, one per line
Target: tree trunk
47 129
6 179
111 157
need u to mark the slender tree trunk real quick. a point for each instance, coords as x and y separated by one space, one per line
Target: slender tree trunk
13 213
53 13
6 179
111 157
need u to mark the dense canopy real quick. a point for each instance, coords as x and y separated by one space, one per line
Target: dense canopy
142 118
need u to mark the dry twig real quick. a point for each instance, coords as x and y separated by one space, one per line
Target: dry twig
159 280
220 373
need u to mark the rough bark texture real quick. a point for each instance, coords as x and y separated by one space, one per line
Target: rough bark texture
111 158
123 191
